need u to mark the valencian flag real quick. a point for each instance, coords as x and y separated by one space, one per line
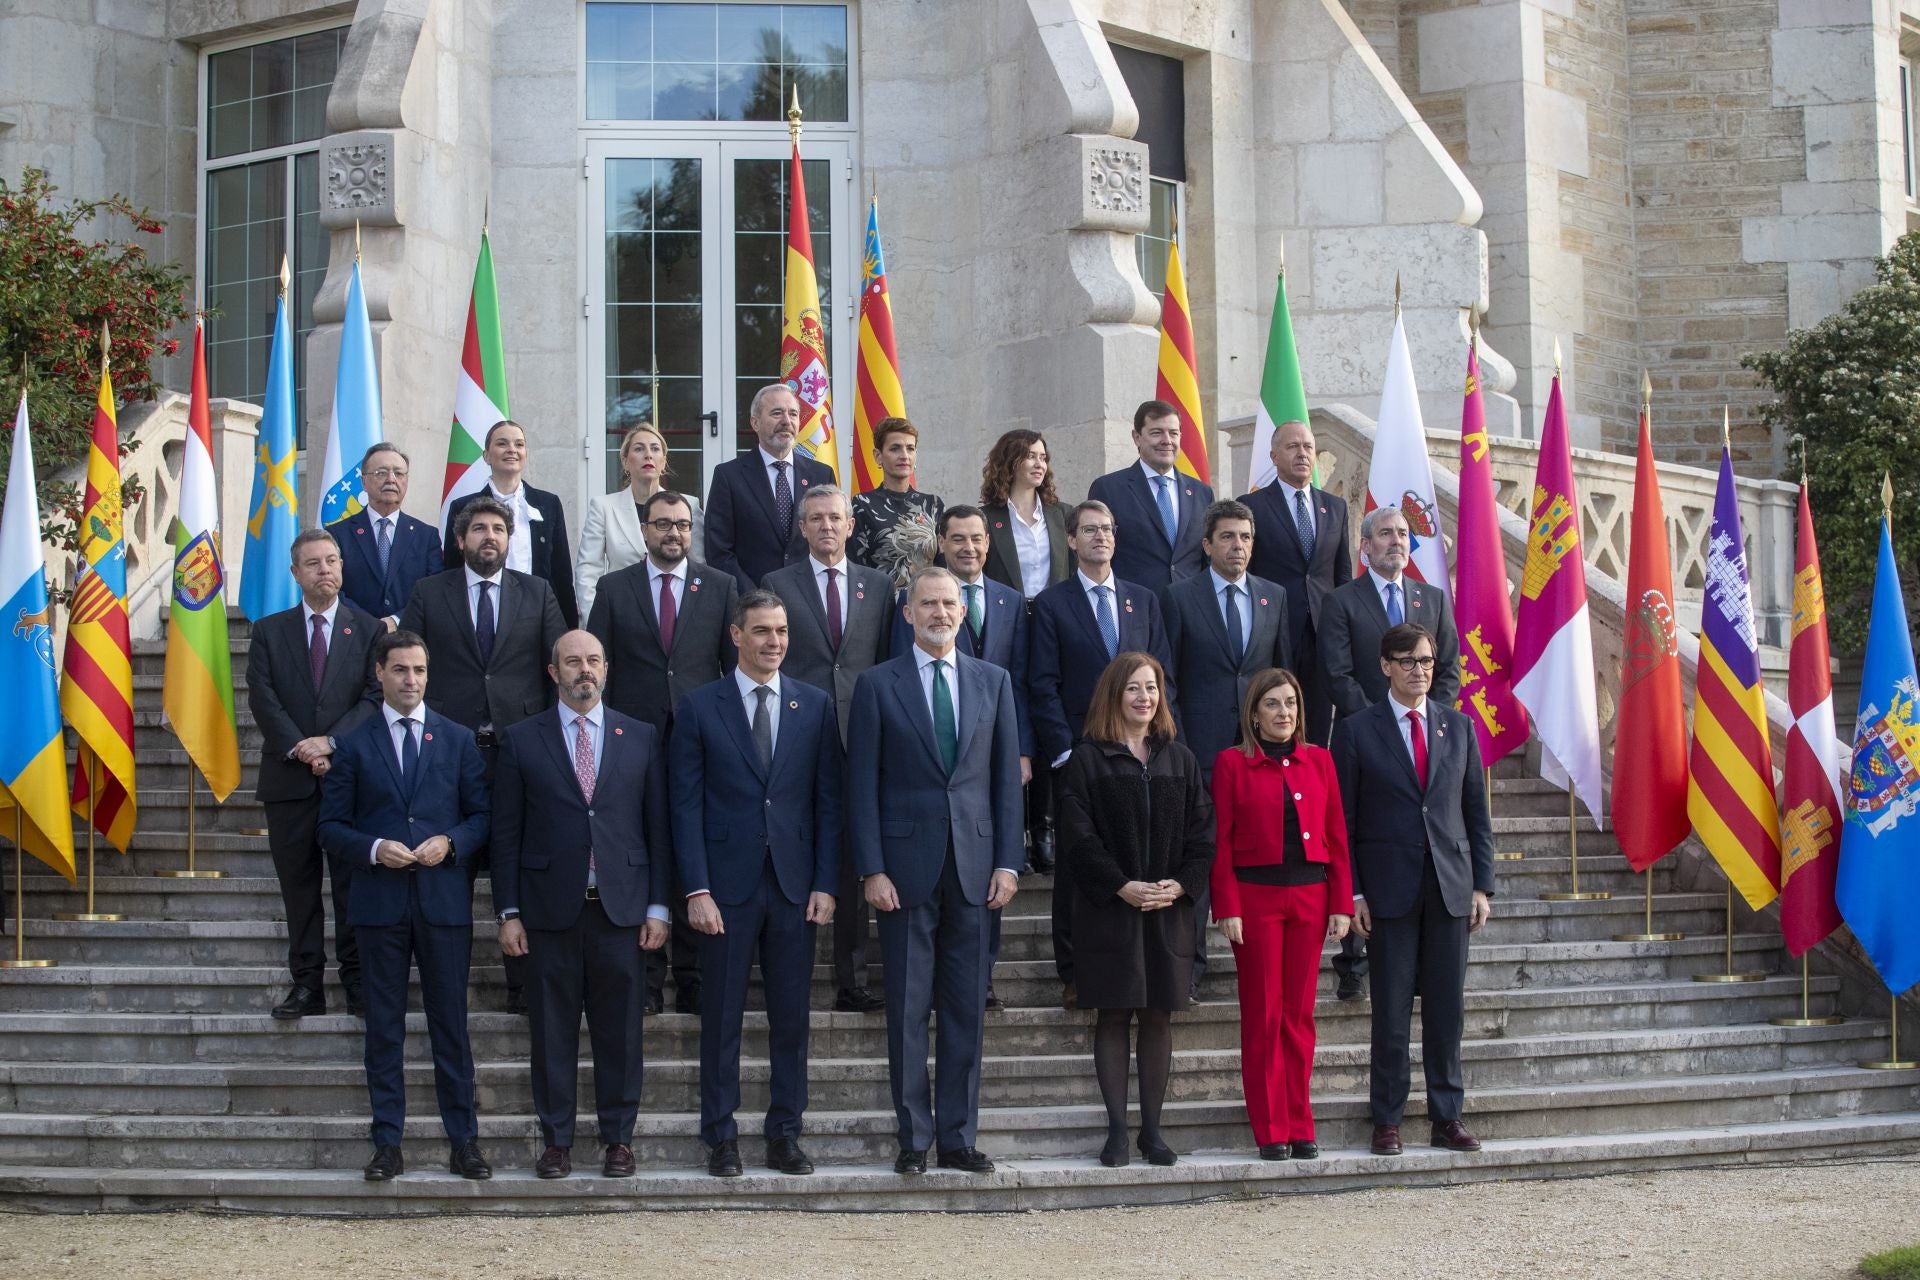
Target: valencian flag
480 391
197 693
1178 381
33 755
1482 609
1650 735
353 424
1879 879
803 341
274 510
876 379
96 677
1283 397
1730 787
1553 636
1816 762
1400 475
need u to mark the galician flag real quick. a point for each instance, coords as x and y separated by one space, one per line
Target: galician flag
197 691
1553 637
353 424
1482 609
876 379
33 756
1401 475
480 392
1816 761
803 340
1178 379
273 513
1283 397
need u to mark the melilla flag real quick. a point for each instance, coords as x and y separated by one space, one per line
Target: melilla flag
876 381
1401 476
1650 734
197 692
1178 379
274 510
33 755
353 424
803 340
1816 761
1879 880
1553 636
96 676
1482 609
1283 397
1730 787
480 392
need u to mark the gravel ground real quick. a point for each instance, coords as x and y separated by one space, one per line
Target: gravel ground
1792 1223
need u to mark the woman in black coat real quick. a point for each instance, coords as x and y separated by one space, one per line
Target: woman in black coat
1136 841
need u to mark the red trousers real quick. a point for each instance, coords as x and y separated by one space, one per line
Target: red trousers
1284 927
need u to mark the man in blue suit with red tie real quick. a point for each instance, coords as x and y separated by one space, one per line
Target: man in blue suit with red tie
757 816
383 550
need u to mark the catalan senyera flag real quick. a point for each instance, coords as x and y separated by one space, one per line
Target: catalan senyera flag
197 691
33 754
1399 473
1283 396
876 381
803 340
96 676
1816 760
480 390
1730 782
1650 734
1178 379
1482 607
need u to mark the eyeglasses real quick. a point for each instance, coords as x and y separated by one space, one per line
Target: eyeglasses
670 526
388 473
1411 664
1094 531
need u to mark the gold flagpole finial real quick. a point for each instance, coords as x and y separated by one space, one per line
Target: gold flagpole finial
286 276
1556 357
356 241
1283 255
486 214
1886 495
106 347
1796 440
1646 391
793 117
1473 326
1726 427
1396 295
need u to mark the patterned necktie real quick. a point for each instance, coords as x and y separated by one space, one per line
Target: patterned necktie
409 752
1236 641
1395 614
945 732
383 540
1103 614
834 631
763 726
583 773
317 652
1169 517
976 616
668 614
1303 521
1419 736
483 624
782 501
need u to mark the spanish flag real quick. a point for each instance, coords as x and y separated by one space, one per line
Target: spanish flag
1178 382
803 339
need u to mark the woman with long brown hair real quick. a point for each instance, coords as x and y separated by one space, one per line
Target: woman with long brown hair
612 538
1026 521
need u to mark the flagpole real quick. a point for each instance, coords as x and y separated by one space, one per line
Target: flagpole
1806 1018
1573 852
1512 855
191 873
20 960
1893 1060
1649 934
93 792
1729 975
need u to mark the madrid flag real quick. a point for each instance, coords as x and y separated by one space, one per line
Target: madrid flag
1816 761
1400 475
1482 608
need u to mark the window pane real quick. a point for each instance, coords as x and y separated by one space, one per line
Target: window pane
676 195
273 68
629 195
684 91
629 267
620 32
814 33
619 91
685 32
749 92
630 341
750 33
229 77
676 267
272 94
310 113
823 91
272 121
315 59
228 129
676 339
716 62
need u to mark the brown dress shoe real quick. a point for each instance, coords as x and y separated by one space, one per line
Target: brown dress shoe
1386 1140
1453 1136
554 1162
619 1161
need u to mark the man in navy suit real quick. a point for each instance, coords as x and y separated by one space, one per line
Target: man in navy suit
405 801
1078 627
751 529
581 843
933 801
383 550
757 819
1155 506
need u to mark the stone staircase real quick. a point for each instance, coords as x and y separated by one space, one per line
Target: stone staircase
143 1070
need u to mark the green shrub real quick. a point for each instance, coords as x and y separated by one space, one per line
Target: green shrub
1894 1264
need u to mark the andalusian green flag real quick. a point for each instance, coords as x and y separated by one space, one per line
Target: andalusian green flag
480 395
1282 397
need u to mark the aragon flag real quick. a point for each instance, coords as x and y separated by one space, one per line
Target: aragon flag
1482 607
803 339
479 390
1178 380
1816 761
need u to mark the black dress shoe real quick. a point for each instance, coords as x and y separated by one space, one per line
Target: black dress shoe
785 1156
656 1003
1352 987
465 1159
1305 1149
966 1160
687 999
554 1162
386 1165
356 1007
1043 860
724 1160
618 1162
858 1000
1116 1154
517 1001
994 1003
301 1002
1276 1151
1157 1152
910 1161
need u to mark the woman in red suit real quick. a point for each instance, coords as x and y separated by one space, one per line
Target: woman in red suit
1282 886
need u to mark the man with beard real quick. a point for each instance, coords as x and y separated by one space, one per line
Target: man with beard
581 842
754 500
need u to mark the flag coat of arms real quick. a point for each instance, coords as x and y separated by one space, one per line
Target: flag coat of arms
353 424
1482 607
1816 761
1400 474
803 338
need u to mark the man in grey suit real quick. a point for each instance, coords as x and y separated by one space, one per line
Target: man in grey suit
839 623
933 802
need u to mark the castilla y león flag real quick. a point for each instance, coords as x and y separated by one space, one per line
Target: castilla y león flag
1482 610
1816 760
803 340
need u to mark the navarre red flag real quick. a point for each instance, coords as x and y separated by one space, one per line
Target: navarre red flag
1810 822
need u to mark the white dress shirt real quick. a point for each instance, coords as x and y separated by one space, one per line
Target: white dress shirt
926 661
1033 545
768 470
1401 712
419 729
520 541
1380 589
676 575
747 685
1242 602
840 585
473 598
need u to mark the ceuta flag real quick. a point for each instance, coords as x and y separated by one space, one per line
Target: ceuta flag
1178 380
1482 609
1816 761
803 341
480 390
1650 736
1400 474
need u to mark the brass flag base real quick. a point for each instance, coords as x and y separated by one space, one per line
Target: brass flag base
19 958
26 964
90 917
1729 975
1573 854
1649 935
253 831
1893 1061
1512 856
1806 1006
1575 897
190 873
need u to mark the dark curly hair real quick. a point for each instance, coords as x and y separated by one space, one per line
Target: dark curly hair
1008 452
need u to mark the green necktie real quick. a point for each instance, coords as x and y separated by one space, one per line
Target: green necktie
945 733
974 619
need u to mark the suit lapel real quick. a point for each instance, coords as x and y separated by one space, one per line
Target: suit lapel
810 594
1278 498
1061 566
1125 607
1000 542
1397 748
387 752
754 471
625 518
906 690
1266 625
336 660
1375 608
427 747
1081 609
1143 497
643 588
1186 504
733 713
559 746
366 545
1216 620
972 692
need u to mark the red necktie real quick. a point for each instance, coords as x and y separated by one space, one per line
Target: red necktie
667 614
583 772
1419 748
833 609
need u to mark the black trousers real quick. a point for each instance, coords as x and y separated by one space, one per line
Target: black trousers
301 866
1424 953
850 917
594 968
1039 800
777 930
443 953
1319 706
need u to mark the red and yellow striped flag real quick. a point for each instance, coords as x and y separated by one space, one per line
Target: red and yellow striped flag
1179 379
877 393
803 339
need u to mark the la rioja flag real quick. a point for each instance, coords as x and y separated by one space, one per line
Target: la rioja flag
1816 761
1400 475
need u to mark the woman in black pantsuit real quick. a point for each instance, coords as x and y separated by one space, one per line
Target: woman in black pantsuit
1136 840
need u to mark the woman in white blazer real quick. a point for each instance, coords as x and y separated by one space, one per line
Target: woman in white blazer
612 539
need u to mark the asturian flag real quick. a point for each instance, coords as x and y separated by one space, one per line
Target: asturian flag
1483 606
353 424
274 510
1816 762
1400 475
803 339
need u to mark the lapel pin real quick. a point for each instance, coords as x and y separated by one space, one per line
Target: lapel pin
1189 493
618 731
998 525
428 737
794 705
1129 606
1416 604
346 631
1263 602
859 595
803 483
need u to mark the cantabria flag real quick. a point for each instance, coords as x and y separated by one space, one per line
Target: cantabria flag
480 390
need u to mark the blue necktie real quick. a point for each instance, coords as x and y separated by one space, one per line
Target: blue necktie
1303 520
1103 614
1169 518
384 541
483 624
409 753
1236 642
1395 614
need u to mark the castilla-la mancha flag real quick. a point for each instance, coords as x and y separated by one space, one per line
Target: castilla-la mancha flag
1400 474
1650 736
1817 763
1482 609
803 341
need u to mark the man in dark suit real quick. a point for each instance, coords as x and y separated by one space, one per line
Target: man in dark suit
1300 542
406 802
1078 627
310 681
933 802
1422 841
754 498
664 625
1156 507
539 544
839 619
383 550
581 841
757 822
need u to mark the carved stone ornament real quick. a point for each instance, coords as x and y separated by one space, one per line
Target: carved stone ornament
1117 180
358 176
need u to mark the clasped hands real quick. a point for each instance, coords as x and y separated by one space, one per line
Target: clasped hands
314 753
430 852
1150 895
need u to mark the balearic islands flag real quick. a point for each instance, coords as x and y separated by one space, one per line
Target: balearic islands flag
1400 475
1482 607
353 424
1178 379
876 382
1816 762
273 513
803 340
480 390
1283 397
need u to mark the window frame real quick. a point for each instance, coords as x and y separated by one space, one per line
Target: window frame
1178 239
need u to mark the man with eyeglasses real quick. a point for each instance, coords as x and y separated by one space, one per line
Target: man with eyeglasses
1422 840
663 623
383 550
